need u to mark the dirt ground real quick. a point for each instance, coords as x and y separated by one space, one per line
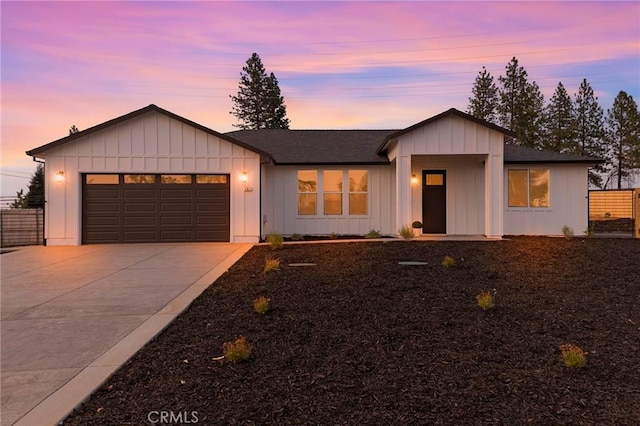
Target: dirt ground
358 338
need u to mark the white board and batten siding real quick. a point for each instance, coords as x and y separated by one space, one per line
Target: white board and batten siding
150 143
473 157
280 203
568 203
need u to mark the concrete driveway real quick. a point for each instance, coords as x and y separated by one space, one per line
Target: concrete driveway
71 316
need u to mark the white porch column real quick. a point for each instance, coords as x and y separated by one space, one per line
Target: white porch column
493 195
403 191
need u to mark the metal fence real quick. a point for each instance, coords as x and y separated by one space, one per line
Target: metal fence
21 227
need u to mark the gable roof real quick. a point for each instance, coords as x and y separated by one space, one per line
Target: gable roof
134 114
523 155
382 148
317 146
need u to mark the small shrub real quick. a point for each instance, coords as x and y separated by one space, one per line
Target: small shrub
573 356
567 231
275 240
588 233
406 232
297 237
333 236
448 261
373 234
416 225
271 264
486 300
237 351
261 305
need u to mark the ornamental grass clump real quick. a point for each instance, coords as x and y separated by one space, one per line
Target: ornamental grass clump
297 237
406 232
237 351
572 355
567 231
486 300
448 261
261 305
373 234
271 264
275 240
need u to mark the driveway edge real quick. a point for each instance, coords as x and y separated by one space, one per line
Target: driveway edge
62 402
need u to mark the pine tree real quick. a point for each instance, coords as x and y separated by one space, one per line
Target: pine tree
34 198
623 136
590 130
484 102
559 131
259 103
520 106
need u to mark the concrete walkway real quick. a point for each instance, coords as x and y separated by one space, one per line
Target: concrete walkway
71 316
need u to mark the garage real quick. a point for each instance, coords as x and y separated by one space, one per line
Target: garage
143 208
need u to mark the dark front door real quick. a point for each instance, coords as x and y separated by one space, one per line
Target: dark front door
434 202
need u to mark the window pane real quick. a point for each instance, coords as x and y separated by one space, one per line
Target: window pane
332 180
358 203
102 179
332 203
307 204
175 179
139 178
539 188
435 180
307 181
518 188
358 181
211 178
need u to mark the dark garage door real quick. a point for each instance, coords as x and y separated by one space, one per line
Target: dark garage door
140 208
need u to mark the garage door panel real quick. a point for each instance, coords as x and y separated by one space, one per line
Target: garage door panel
176 220
140 221
140 236
141 207
102 221
102 208
140 194
181 193
103 192
156 212
177 235
104 237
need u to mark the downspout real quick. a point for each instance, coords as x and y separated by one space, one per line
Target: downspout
44 201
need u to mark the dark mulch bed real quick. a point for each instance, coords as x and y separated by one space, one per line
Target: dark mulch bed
360 339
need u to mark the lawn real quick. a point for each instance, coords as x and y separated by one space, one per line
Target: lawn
358 338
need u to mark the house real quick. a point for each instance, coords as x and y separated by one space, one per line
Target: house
153 176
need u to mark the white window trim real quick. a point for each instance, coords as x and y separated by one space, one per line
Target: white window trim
345 195
528 206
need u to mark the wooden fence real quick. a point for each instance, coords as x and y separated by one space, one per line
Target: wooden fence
21 227
615 211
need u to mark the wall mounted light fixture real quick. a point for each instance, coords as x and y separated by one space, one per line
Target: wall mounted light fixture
59 176
244 177
414 180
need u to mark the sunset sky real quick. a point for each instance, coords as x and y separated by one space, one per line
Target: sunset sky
339 64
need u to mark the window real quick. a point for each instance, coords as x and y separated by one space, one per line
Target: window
528 188
307 192
332 187
175 178
358 192
102 179
211 178
139 179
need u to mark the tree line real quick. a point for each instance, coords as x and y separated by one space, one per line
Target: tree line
569 125
573 125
